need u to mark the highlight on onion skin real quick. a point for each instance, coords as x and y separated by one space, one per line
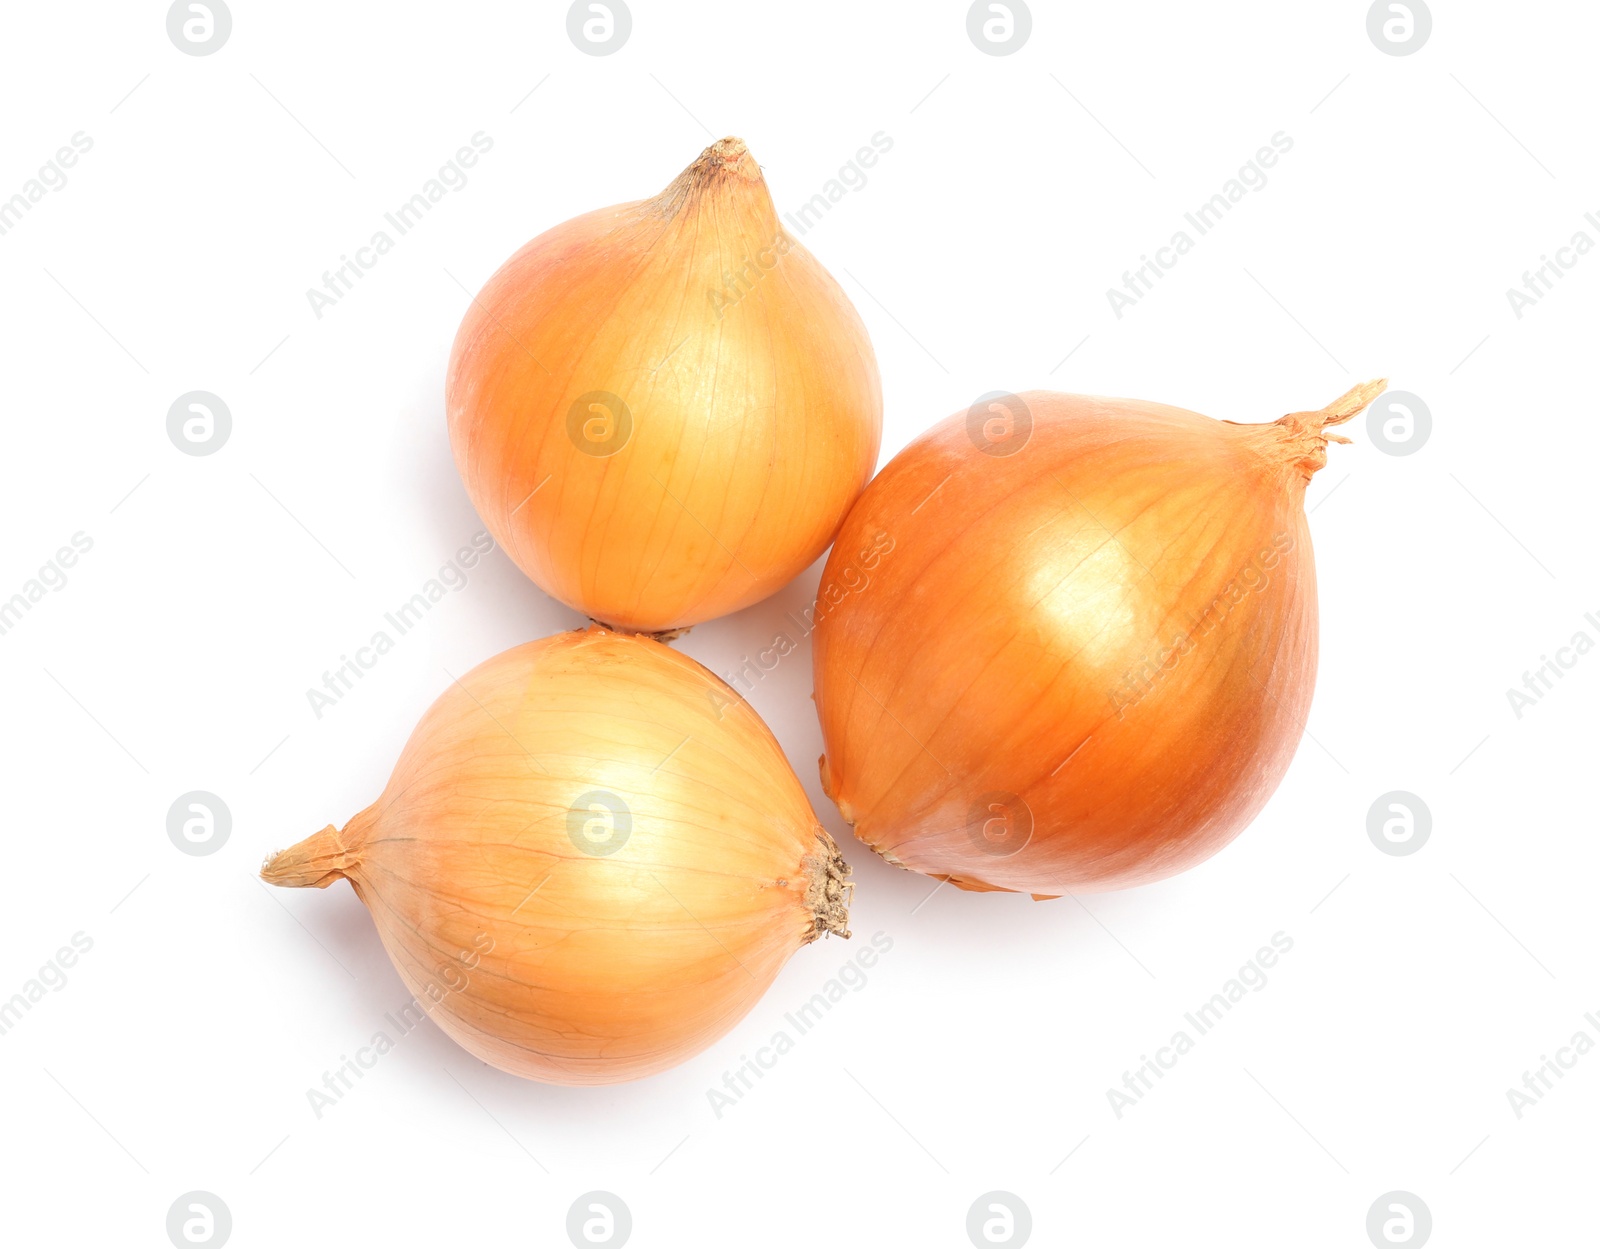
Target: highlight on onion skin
592 859
664 409
1088 656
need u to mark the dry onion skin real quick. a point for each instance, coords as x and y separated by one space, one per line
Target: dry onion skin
663 410
1085 652
591 860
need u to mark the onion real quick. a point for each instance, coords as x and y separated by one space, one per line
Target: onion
663 410
1088 654
590 862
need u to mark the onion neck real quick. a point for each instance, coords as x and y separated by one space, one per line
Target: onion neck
725 170
314 863
1301 439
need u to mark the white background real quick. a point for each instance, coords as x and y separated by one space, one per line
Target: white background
979 1054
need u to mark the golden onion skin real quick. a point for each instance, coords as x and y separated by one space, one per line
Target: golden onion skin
1085 656
571 951
663 410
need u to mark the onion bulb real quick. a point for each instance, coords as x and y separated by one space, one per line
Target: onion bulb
664 409
1085 651
590 862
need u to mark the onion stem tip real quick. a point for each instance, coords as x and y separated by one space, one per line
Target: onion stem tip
314 863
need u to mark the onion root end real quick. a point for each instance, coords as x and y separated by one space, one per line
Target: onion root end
829 891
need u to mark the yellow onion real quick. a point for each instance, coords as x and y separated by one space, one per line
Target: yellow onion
1084 654
590 862
663 410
